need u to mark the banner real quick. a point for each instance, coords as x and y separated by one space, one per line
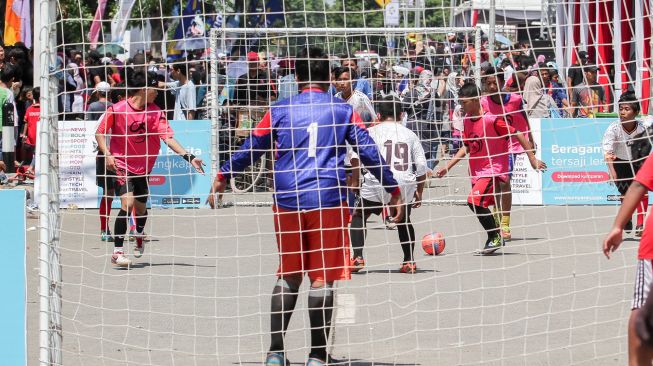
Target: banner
13 341
96 25
120 20
18 26
577 173
526 183
173 182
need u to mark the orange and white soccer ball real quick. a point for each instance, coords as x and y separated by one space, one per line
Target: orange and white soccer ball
433 243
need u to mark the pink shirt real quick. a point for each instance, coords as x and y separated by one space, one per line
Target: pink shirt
512 110
486 139
135 136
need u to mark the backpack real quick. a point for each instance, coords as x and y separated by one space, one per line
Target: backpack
640 147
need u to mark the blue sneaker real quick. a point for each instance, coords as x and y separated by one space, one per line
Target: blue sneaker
276 359
106 236
491 246
315 362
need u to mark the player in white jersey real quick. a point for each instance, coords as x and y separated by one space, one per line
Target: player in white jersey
619 157
403 152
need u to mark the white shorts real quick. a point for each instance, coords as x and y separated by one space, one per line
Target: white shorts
643 280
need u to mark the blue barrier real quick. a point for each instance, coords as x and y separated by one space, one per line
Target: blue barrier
12 288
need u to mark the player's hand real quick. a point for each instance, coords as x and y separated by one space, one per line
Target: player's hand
217 189
110 163
612 241
538 164
441 172
610 156
396 204
198 165
417 202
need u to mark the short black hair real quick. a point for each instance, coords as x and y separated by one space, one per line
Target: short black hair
36 93
469 90
182 67
341 70
118 92
9 73
389 107
492 71
630 98
140 79
312 65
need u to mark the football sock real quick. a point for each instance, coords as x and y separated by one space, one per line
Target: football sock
105 212
284 298
407 236
505 220
357 233
486 219
642 208
320 310
120 228
140 222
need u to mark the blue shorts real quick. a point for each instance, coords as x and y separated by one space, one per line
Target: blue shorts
511 163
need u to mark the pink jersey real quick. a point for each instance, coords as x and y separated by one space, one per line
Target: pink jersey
512 110
135 135
486 139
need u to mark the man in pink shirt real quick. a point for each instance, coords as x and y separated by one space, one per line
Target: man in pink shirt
509 107
135 127
486 140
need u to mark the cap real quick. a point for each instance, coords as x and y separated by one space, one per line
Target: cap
590 68
451 34
102 87
583 54
252 56
401 70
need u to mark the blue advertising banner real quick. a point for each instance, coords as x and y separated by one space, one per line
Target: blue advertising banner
12 288
174 182
577 173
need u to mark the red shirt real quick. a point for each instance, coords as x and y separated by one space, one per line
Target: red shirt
487 142
135 135
32 117
645 177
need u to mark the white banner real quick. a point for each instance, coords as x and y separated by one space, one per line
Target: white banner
526 183
77 164
391 14
119 22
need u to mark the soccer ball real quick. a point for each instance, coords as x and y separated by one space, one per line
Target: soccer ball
433 243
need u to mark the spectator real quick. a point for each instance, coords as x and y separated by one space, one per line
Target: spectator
2 57
558 93
508 72
588 97
356 98
575 72
28 135
287 83
77 107
359 82
254 87
101 101
184 91
536 100
7 103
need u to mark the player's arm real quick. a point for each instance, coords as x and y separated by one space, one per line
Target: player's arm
174 145
106 123
632 198
355 177
369 155
258 143
608 153
462 152
421 180
419 159
504 129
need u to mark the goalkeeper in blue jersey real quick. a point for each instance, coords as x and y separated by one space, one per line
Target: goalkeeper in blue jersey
309 133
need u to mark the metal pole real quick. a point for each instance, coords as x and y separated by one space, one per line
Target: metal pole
493 21
477 52
215 123
50 337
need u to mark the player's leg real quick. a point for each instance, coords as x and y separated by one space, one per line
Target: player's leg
125 189
141 194
328 249
482 197
407 238
504 201
642 209
358 231
624 177
288 230
639 353
104 181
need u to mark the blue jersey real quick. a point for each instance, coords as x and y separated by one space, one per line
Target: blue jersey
309 132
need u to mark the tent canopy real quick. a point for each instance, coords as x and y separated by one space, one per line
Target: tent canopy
508 12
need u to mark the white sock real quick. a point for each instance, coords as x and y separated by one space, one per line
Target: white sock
117 250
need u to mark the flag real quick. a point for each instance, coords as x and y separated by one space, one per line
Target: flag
119 22
18 27
97 23
132 220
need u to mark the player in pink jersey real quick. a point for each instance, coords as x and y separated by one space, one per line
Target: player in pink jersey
486 140
135 127
510 107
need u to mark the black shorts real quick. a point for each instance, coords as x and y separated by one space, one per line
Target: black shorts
136 184
103 178
625 175
366 207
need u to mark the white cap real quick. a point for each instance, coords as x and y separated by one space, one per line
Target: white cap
401 70
451 34
102 87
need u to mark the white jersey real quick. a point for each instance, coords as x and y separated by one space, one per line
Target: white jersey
402 150
361 105
615 140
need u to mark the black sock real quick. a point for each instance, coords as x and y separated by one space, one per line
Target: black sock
140 222
120 228
284 298
486 219
407 236
357 233
320 310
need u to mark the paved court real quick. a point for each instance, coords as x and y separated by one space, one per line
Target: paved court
200 295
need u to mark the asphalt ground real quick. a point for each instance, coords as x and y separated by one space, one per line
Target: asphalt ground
201 293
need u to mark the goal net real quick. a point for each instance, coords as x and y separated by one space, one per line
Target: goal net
206 290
